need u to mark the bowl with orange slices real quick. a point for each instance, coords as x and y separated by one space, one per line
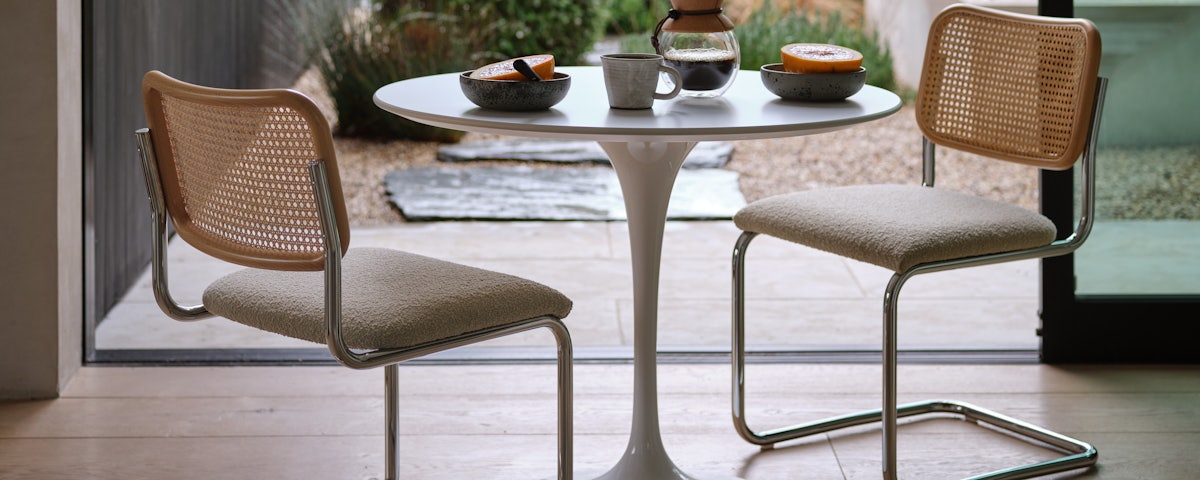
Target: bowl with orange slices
815 72
501 86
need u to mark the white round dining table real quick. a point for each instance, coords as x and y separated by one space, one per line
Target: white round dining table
647 149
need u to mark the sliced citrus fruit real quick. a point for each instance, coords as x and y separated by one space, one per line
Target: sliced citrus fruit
819 58
543 65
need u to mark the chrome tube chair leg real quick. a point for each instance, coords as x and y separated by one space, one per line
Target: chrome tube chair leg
391 406
565 381
565 386
767 439
1079 454
390 358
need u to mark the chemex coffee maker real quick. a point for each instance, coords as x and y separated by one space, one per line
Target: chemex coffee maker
696 38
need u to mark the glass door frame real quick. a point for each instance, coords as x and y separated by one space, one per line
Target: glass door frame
1103 328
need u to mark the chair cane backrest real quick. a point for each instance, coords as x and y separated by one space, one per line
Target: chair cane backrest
233 167
1009 86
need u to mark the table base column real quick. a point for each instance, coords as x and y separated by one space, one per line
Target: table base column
646 172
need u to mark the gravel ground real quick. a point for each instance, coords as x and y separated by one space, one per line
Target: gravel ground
1157 183
886 151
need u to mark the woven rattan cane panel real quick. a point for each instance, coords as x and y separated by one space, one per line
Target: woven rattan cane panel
1013 87
235 174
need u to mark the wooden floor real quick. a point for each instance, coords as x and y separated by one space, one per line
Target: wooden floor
496 421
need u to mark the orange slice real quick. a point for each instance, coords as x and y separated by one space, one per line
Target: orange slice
819 58
543 65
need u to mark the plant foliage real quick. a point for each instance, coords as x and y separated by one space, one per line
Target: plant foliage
634 17
511 28
360 46
769 28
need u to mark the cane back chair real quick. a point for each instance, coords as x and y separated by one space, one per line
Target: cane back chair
250 177
1010 87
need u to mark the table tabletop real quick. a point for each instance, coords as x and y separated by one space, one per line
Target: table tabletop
746 111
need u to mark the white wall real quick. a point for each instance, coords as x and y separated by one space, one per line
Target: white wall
903 25
41 142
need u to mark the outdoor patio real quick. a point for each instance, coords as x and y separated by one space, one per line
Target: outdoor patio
801 298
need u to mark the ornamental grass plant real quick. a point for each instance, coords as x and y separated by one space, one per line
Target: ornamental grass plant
360 46
770 27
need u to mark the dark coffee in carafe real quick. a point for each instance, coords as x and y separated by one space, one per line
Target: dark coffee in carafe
702 68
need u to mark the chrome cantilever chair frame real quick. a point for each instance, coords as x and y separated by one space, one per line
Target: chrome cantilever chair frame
1082 453
1079 454
348 357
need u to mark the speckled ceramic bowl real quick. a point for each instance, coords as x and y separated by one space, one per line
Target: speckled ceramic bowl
514 95
812 87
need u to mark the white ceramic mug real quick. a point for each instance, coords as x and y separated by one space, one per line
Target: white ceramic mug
632 79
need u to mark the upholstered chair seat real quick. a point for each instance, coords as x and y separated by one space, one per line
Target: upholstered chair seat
390 299
897 226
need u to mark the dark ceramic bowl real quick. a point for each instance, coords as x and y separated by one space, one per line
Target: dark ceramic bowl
516 96
812 87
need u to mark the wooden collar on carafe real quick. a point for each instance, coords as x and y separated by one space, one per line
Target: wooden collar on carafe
691 21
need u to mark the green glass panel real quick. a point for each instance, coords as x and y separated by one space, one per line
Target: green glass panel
1147 235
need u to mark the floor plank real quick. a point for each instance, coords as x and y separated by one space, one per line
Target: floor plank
496 421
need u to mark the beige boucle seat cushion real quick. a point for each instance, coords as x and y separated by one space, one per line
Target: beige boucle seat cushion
390 299
897 226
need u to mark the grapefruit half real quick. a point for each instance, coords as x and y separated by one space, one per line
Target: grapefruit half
819 58
543 65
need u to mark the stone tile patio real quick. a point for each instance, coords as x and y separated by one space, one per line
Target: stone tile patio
801 298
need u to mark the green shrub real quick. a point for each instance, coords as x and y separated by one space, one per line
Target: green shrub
511 28
769 28
358 48
633 17
356 52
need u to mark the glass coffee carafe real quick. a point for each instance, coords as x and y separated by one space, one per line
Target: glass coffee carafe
697 39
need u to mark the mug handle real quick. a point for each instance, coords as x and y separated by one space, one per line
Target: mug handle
675 80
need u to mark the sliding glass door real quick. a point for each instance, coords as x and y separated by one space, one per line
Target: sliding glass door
1132 292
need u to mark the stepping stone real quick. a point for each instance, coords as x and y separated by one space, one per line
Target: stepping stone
525 193
705 155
